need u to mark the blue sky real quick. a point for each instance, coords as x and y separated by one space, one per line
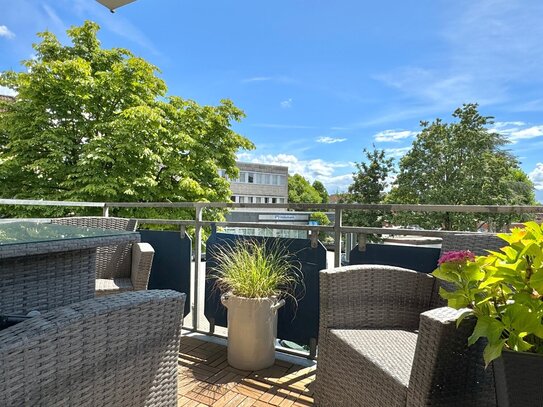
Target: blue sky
321 80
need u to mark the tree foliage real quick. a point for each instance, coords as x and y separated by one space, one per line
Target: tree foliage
369 184
322 219
94 124
460 163
301 191
319 187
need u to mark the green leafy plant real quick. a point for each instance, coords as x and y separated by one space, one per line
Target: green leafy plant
321 219
503 290
254 269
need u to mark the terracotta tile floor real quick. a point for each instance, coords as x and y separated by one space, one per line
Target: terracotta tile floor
206 379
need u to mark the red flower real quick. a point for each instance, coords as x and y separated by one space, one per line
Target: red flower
459 257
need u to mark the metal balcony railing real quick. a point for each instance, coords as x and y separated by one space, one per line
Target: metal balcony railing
337 229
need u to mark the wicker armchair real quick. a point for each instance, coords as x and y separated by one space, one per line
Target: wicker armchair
383 342
112 351
124 267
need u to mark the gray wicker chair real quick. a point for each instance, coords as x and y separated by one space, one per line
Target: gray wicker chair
118 351
119 268
383 342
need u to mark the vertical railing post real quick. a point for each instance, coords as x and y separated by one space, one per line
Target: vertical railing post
197 255
105 211
337 237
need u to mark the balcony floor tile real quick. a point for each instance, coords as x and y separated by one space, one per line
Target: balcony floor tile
206 379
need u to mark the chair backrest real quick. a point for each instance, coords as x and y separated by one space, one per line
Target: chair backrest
119 350
111 261
477 243
99 222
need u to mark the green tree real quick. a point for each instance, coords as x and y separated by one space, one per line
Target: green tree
368 187
460 163
301 191
94 124
322 220
319 187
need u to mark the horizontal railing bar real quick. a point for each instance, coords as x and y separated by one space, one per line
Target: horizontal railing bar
494 209
171 205
283 226
319 228
35 202
392 207
166 221
400 231
260 225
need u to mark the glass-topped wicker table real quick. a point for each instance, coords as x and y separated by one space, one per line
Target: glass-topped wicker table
45 265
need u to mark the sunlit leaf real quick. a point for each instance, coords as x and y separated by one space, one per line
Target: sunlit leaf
493 351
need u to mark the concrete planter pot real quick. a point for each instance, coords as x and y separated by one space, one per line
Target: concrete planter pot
252 331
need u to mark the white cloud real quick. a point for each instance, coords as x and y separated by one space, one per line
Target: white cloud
317 169
53 16
5 32
330 140
257 79
531 132
501 125
488 48
7 91
440 89
518 130
396 152
386 136
536 175
477 37
286 104
265 78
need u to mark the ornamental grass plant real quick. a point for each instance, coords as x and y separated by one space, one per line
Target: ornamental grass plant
503 291
252 269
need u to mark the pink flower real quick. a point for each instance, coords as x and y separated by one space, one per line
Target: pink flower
459 257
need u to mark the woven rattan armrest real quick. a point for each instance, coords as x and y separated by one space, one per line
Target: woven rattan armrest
142 260
446 371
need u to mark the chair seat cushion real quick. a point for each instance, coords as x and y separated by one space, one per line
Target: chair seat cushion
114 285
377 364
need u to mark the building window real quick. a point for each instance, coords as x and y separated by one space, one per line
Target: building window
282 180
233 198
251 177
258 199
274 200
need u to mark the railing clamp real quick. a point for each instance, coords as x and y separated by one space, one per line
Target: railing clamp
314 237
